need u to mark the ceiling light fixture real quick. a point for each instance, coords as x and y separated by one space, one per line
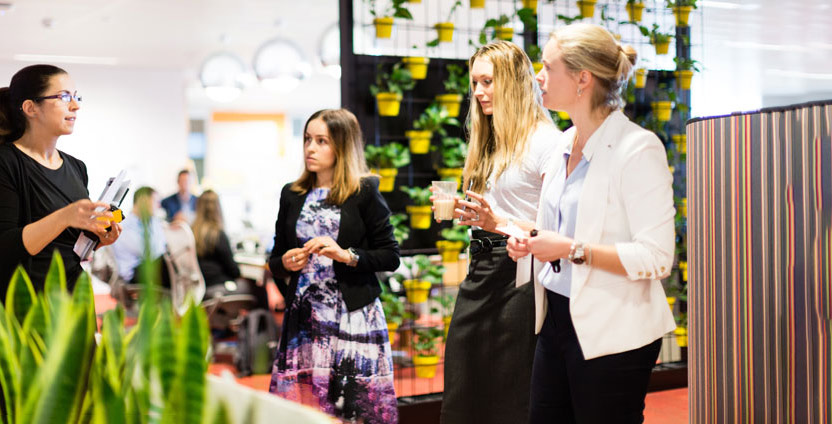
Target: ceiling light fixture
51 58
280 65
223 77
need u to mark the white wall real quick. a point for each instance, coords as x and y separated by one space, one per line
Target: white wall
134 119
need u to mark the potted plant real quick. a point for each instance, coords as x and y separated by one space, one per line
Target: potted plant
383 18
477 4
453 154
640 77
419 211
445 30
400 229
385 161
680 140
501 30
455 239
430 121
446 301
393 307
684 71
456 86
389 87
681 9
681 331
417 65
635 10
663 104
425 345
536 56
659 40
587 8
423 275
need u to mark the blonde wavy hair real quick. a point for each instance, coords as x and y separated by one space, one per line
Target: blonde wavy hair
348 144
208 222
498 141
593 48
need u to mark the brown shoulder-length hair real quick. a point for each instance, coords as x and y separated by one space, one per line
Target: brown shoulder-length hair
208 222
500 140
350 166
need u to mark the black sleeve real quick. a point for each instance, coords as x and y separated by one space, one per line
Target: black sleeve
281 243
226 257
11 234
383 251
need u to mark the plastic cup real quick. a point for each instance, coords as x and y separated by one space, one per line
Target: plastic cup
443 202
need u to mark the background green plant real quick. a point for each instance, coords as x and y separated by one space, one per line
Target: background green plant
457 233
433 119
457 81
390 155
453 152
420 196
396 81
677 3
394 8
401 229
425 341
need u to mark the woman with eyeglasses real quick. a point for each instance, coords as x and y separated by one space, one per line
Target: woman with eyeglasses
44 202
491 339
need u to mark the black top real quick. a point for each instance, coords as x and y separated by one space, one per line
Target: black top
218 266
365 226
30 191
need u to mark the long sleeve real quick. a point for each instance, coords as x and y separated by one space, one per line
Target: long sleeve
648 200
281 240
382 253
11 233
226 257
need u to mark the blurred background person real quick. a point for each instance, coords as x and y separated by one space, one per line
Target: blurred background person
213 250
180 206
130 249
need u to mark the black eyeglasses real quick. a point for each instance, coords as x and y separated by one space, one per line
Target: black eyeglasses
64 96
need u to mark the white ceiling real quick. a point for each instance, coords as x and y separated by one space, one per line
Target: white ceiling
753 50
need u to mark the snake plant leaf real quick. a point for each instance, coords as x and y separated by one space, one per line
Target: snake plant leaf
221 416
9 369
163 349
56 394
111 350
109 406
20 295
189 389
31 353
55 281
82 296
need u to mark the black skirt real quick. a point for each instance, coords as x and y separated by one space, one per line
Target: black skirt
490 347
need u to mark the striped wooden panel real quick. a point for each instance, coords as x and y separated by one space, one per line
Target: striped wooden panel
760 266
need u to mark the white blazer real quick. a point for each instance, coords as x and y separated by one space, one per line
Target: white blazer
626 201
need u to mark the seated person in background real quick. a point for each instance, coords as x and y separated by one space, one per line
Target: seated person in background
182 204
129 249
216 259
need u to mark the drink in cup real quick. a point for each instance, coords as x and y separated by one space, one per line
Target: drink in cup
443 202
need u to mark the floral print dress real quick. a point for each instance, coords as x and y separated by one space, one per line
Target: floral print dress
329 358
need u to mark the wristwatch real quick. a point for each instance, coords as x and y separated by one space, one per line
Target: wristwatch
576 253
353 257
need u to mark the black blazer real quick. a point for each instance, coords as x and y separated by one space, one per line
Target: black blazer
365 226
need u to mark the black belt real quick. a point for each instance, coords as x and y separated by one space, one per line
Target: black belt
485 241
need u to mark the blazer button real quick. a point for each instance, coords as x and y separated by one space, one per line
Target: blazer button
640 273
662 269
648 274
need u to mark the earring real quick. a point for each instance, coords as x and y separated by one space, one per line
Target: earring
580 92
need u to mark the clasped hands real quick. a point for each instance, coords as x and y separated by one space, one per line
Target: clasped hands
546 246
295 259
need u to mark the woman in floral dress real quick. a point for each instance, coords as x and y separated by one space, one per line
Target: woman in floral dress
332 235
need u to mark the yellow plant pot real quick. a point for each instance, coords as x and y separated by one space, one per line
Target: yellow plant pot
684 209
661 48
563 115
451 174
418 66
683 77
414 1
530 4
387 178
419 217
681 336
389 103
504 33
477 4
682 14
391 331
450 102
641 77
447 322
671 300
587 8
419 141
384 27
425 366
635 11
417 290
537 66
681 142
449 250
662 110
446 31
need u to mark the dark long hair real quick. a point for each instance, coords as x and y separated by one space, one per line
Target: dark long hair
27 84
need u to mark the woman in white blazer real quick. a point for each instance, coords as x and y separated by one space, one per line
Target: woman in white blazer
605 227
